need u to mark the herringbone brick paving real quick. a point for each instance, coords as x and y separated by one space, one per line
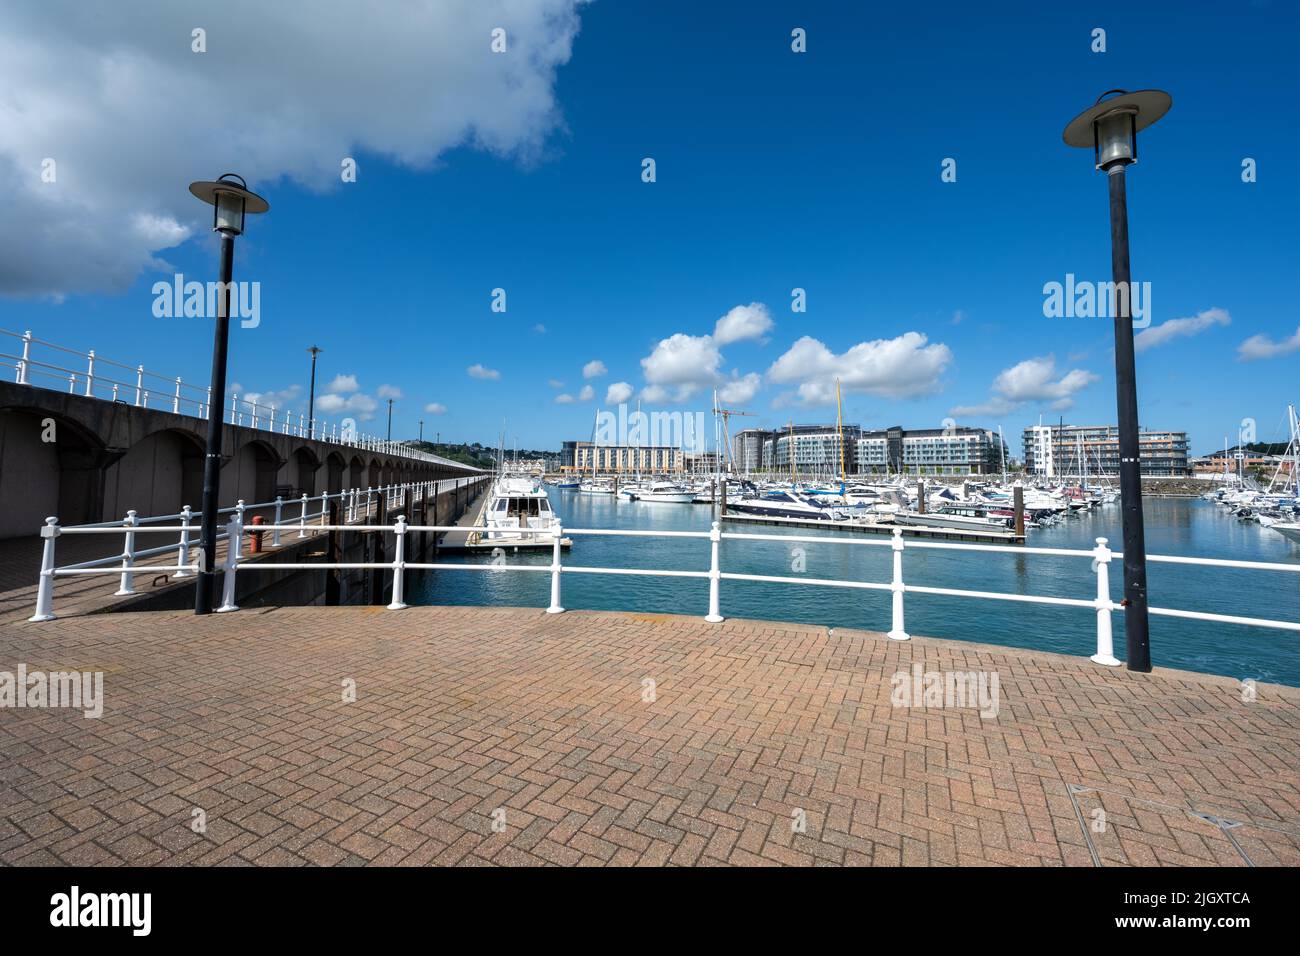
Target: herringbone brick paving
461 712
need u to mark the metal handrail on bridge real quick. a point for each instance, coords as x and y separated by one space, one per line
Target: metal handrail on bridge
1101 557
183 398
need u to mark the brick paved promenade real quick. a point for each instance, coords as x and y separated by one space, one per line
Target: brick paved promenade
461 711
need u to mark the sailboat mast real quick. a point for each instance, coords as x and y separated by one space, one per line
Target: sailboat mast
839 427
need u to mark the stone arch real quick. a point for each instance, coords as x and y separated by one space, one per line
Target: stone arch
356 472
374 475
63 477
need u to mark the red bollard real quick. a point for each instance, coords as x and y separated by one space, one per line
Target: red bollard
255 546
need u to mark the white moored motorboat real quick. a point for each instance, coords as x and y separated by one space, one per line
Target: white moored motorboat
665 491
519 510
1288 529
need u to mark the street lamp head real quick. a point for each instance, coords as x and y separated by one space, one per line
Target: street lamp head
230 199
1110 126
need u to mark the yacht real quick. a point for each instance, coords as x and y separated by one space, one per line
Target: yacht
1288 529
665 491
519 510
786 504
955 517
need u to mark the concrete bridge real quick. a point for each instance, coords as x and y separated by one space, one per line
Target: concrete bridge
88 459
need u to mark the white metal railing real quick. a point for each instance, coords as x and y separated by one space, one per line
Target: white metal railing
97 377
297 516
1101 557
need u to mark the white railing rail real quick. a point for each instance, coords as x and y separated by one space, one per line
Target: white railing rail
308 513
1101 557
94 376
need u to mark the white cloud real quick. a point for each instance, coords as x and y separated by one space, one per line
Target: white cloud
278 400
1262 346
358 403
1033 380
618 393
342 384
901 367
740 389
314 82
479 371
539 329
435 408
594 369
1179 328
679 366
587 394
389 391
565 399
743 322
682 365
555 383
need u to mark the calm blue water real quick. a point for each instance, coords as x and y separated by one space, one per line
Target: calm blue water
1173 526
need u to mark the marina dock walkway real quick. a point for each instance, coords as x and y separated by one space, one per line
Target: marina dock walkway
509 736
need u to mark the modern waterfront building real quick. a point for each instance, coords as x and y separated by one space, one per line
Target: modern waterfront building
747 450
623 459
815 449
1060 451
956 450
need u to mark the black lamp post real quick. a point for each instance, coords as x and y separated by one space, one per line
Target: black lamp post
230 200
311 393
1109 128
390 419
421 431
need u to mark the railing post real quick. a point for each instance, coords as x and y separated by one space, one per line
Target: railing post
1105 645
556 607
898 632
27 357
207 406
302 517
45 589
234 542
399 564
279 512
183 549
715 575
90 372
72 382
139 384
176 401
128 555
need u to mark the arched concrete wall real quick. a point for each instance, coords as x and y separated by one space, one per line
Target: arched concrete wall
25 484
254 467
158 475
335 469
302 469
108 456
40 478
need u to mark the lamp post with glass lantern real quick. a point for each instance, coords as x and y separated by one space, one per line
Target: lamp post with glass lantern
1109 128
231 200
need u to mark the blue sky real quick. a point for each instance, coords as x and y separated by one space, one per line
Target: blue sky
774 171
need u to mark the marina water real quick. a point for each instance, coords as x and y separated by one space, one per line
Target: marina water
1173 527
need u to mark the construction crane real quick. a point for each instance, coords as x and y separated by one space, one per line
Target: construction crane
726 414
